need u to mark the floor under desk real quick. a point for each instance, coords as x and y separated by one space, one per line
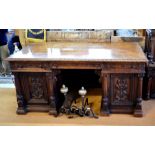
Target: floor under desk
8 115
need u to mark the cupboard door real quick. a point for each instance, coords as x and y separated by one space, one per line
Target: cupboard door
123 91
34 86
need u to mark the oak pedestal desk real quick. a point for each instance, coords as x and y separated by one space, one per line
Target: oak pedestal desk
121 67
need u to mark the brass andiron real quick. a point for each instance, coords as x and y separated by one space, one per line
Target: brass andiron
82 93
65 107
85 109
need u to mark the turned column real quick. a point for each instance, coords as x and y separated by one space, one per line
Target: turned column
51 80
149 78
104 101
138 109
20 98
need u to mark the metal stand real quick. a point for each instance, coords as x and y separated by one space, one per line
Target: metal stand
85 109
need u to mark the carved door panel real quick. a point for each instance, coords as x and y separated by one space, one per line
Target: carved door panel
34 86
123 89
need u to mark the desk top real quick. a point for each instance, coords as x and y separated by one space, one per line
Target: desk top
76 51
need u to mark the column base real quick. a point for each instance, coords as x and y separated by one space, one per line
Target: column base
138 113
21 111
53 112
104 113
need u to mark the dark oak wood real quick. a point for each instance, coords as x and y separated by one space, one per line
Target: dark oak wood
20 96
104 103
138 110
149 79
120 66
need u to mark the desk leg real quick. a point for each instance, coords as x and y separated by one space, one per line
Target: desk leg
104 101
138 109
20 99
51 84
148 87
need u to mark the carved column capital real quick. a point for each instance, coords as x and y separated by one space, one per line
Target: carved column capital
141 75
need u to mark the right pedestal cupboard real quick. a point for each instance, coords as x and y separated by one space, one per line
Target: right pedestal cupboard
149 79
